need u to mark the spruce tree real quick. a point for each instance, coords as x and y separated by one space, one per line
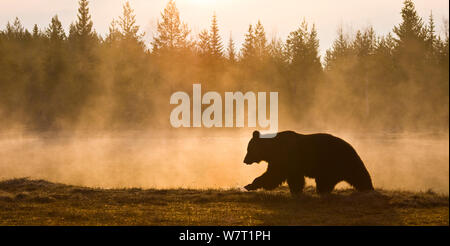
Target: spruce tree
231 50
15 31
172 34
411 29
260 41
204 45
82 28
55 31
303 49
215 39
385 45
277 52
114 34
248 48
364 43
304 65
36 32
411 38
296 44
127 23
431 31
340 50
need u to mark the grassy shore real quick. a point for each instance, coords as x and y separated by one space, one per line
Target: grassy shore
38 202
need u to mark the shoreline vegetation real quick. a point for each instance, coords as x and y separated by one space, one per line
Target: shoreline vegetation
38 202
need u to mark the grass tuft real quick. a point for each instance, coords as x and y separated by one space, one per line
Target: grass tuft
38 202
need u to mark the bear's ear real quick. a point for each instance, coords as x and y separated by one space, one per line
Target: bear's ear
256 134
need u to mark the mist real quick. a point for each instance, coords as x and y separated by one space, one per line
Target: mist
83 109
412 162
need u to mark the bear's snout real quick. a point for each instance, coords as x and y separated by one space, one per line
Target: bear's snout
247 160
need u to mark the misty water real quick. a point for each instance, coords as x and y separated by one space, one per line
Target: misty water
415 162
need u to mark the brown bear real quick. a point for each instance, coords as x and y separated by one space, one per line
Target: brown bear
292 157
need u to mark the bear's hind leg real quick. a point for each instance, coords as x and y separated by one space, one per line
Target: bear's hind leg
325 185
296 184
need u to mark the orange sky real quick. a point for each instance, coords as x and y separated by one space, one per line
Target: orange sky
278 17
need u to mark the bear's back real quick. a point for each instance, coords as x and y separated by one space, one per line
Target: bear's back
289 136
322 145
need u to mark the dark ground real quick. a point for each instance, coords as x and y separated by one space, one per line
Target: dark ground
38 202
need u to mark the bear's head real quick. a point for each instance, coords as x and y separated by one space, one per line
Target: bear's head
256 149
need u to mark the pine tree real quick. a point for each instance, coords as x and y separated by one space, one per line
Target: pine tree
114 34
412 27
296 42
383 58
385 45
204 45
215 39
260 41
432 41
313 50
83 44
37 34
72 32
248 51
127 23
363 50
172 33
82 28
302 48
364 43
231 50
55 31
412 60
431 31
277 51
255 45
411 40
340 50
16 30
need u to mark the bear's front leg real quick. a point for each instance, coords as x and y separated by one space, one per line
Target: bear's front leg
256 184
251 186
268 181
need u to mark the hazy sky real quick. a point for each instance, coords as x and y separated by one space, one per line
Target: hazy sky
279 17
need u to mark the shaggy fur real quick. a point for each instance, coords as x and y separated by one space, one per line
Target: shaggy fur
292 157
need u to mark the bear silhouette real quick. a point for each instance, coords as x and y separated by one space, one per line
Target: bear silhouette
292 157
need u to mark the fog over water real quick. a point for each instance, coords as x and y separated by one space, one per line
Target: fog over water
80 109
415 162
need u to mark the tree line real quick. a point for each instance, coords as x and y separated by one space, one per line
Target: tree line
53 80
